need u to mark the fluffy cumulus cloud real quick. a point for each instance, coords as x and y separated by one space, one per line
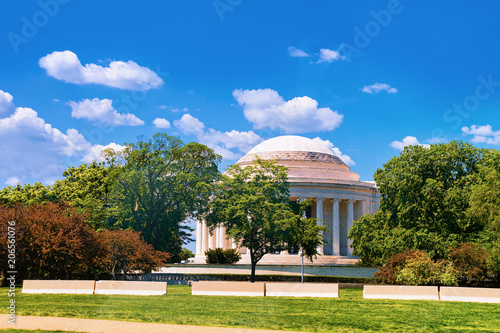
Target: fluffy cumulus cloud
33 149
408 141
6 105
378 87
190 125
161 123
220 142
296 53
265 108
101 112
66 66
482 134
94 153
336 151
327 55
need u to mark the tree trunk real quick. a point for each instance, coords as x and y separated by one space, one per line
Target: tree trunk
253 263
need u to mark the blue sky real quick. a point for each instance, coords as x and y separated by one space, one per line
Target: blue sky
365 77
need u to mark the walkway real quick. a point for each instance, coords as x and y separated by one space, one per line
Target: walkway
113 326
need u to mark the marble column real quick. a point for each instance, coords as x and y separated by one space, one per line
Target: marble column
211 239
199 237
221 237
319 215
336 228
204 238
350 218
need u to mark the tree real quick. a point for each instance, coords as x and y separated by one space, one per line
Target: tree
124 251
27 194
252 204
87 188
425 196
162 183
52 241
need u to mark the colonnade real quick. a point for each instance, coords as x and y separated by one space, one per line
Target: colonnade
354 209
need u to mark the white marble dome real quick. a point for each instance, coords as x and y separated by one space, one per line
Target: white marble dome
307 160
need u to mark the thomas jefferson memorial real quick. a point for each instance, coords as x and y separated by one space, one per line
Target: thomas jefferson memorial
314 172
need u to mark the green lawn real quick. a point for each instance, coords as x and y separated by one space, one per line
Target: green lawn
349 313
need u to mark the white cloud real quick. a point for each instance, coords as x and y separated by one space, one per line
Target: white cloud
161 123
437 140
220 142
12 181
266 108
336 151
94 152
66 66
100 111
32 149
482 134
6 105
378 87
407 141
295 52
189 125
327 55
185 109
163 107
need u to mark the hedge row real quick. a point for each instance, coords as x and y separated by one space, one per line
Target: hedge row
280 278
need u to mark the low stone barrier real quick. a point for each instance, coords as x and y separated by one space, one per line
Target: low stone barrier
144 288
58 286
216 288
401 292
468 294
302 289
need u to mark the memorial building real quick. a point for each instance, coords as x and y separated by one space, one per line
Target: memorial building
339 198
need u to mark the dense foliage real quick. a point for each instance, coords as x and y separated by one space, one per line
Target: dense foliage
162 182
221 256
429 200
124 251
252 204
54 241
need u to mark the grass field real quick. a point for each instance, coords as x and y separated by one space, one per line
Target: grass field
349 313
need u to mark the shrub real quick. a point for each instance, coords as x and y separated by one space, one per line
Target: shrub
388 272
124 251
413 267
471 262
53 241
221 256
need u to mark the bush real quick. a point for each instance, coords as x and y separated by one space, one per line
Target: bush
388 272
471 263
125 251
221 256
53 241
413 267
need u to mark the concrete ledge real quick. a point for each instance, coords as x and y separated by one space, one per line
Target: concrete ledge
467 294
302 289
216 288
401 292
130 288
58 286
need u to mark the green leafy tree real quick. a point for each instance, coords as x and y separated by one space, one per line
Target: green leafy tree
27 194
252 204
161 184
425 196
87 188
